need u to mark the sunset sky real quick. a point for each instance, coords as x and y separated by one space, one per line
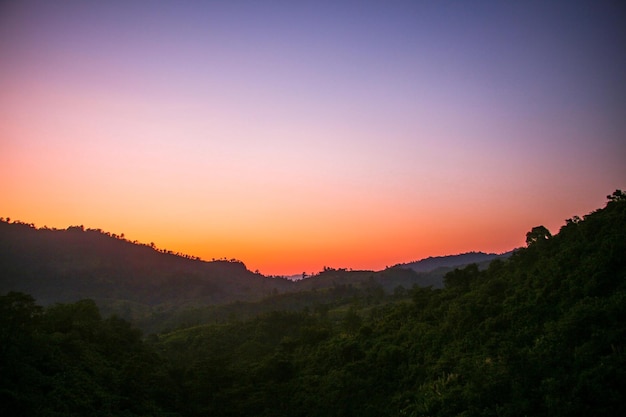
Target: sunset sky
297 135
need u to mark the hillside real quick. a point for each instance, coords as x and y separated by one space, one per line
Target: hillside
540 333
452 261
73 264
146 285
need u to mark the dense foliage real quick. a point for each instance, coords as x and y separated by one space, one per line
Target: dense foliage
539 334
68 361
159 290
76 263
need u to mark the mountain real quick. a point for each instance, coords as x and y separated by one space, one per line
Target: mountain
452 261
156 288
64 265
389 279
540 333
72 264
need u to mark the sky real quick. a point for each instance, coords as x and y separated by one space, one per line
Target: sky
298 135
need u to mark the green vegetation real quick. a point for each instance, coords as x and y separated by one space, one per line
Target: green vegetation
158 290
77 263
541 333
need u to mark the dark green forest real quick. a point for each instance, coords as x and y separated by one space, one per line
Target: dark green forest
158 290
541 333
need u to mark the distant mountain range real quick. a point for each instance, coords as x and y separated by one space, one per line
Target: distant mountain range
137 280
453 261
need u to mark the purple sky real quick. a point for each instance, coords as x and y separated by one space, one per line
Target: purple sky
293 135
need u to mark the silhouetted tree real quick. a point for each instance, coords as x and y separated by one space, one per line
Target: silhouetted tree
618 195
537 234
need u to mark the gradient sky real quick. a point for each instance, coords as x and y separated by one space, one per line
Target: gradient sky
297 135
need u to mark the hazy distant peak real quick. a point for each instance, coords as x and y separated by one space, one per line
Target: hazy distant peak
450 261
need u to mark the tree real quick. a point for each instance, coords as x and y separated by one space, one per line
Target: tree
352 321
618 195
537 234
461 278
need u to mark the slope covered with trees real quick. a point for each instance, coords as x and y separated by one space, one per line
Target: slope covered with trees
541 333
454 261
68 265
158 289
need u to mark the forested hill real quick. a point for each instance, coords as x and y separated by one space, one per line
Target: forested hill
136 280
539 334
77 263
452 261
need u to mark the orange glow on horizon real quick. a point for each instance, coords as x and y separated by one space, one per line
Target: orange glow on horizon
308 248
394 134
